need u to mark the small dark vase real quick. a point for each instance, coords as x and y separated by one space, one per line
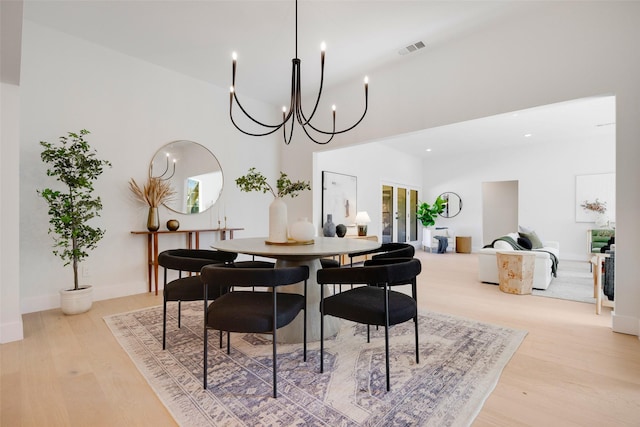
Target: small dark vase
341 230
173 225
329 228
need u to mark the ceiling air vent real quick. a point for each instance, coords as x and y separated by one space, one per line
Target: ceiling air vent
411 48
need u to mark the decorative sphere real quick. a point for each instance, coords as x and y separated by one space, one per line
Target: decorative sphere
341 230
302 230
173 225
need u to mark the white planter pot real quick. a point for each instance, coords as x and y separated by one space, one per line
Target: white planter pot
76 302
278 221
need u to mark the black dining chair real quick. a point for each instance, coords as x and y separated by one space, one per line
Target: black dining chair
387 250
187 288
253 311
372 303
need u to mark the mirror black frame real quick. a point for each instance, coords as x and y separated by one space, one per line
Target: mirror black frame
450 209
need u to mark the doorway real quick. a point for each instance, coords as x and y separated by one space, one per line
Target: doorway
399 206
499 209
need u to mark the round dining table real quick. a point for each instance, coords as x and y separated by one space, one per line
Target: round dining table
294 254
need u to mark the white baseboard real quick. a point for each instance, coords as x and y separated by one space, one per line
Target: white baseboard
625 324
11 331
51 301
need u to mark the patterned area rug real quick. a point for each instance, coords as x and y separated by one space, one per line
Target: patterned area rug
460 363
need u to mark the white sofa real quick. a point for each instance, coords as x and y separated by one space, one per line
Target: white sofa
542 276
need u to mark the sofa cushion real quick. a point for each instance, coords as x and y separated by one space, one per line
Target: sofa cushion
524 242
536 243
501 245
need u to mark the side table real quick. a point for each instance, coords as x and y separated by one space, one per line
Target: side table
152 246
463 244
515 271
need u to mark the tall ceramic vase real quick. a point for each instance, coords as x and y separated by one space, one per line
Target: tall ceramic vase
278 221
153 220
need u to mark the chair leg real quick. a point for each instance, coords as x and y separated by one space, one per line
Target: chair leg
321 329
204 373
415 323
179 314
386 333
228 342
386 352
275 339
368 333
304 327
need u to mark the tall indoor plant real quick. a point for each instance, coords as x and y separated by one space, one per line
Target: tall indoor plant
256 181
73 163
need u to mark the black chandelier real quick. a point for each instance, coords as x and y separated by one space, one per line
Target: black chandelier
295 107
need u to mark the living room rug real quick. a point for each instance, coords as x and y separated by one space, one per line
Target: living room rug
460 363
574 283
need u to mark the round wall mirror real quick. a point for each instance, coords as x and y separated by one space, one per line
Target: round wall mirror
194 173
453 204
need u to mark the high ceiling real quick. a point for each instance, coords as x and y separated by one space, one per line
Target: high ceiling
196 38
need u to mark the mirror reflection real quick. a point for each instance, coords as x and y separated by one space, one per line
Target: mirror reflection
453 204
194 173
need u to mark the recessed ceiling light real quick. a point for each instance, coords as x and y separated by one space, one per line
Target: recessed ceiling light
428 149
527 135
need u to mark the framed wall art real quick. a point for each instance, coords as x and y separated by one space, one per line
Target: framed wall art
339 197
595 197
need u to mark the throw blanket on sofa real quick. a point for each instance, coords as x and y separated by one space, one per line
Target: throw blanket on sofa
517 247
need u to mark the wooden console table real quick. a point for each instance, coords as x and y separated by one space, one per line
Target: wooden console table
152 245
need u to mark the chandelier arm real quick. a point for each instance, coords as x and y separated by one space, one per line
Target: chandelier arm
284 130
250 133
366 107
299 91
304 128
235 97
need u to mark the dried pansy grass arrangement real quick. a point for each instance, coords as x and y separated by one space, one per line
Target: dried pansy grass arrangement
154 193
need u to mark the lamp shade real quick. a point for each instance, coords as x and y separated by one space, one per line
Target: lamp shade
362 217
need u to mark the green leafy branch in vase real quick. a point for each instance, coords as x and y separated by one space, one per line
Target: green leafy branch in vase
256 181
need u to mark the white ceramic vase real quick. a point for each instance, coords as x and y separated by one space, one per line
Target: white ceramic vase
278 221
76 301
302 230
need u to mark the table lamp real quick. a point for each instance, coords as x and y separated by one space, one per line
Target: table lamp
362 219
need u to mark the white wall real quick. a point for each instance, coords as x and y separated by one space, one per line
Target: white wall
10 315
557 51
372 164
132 108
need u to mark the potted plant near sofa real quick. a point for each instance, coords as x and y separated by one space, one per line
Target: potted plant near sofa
73 163
427 215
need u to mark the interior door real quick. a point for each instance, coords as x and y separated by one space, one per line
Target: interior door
399 206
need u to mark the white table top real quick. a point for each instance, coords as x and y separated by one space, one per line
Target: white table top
322 247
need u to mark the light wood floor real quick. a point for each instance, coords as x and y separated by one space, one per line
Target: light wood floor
571 369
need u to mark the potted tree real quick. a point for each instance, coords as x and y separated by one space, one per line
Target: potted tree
73 163
256 181
427 214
